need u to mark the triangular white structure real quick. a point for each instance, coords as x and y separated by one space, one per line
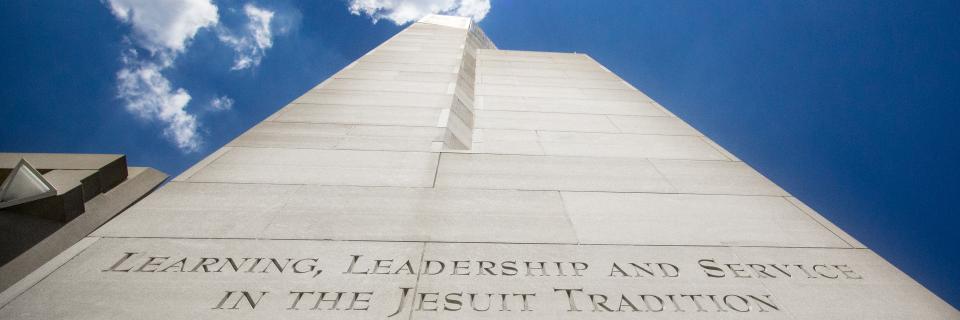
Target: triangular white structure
24 184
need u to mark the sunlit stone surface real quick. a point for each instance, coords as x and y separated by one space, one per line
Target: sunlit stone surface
440 178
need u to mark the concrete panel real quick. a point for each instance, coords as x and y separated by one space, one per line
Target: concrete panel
615 94
530 91
444 77
533 56
327 167
716 177
627 146
653 125
387 86
524 72
503 147
489 135
382 99
596 75
392 66
487 171
186 174
201 210
428 133
570 106
292 134
685 219
420 58
416 214
360 115
389 144
339 136
543 121
541 65
41 272
556 82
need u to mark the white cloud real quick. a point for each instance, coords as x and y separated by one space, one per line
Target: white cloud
250 47
221 103
164 28
473 9
404 11
165 25
149 95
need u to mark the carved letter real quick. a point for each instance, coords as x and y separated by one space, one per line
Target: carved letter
569 292
626 302
693 297
818 271
616 269
707 268
768 302
599 304
357 298
509 266
336 300
293 306
739 271
406 266
523 296
473 302
276 264
126 255
746 305
383 265
245 296
542 268
648 270
428 263
423 299
452 299
205 263
236 267
643 297
669 270
353 263
761 270
152 262
403 297
486 266
716 303
458 266
310 267
847 271
180 264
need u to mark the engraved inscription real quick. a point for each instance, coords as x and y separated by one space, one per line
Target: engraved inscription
512 294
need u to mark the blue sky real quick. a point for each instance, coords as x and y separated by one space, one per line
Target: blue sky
849 105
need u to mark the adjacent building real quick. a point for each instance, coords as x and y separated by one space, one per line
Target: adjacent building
50 201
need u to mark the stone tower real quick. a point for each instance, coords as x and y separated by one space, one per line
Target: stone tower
438 177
